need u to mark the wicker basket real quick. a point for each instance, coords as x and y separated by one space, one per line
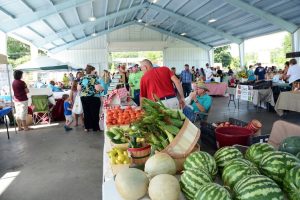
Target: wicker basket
184 142
180 161
140 155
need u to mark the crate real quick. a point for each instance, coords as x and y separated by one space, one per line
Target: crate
208 131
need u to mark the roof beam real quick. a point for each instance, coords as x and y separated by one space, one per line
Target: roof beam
127 14
285 25
119 5
43 13
79 41
27 5
163 31
197 24
85 25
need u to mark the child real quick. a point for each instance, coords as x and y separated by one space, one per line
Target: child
67 112
73 95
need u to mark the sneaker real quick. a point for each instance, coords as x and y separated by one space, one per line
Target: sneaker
67 128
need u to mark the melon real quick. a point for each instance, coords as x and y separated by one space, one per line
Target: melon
201 160
291 183
212 191
160 163
191 180
290 145
256 151
164 186
131 183
257 187
225 155
275 164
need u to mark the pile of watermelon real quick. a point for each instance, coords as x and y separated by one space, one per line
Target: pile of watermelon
261 174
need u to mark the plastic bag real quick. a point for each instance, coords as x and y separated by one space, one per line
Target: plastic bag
77 107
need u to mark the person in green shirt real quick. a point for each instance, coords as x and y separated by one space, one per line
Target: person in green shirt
134 83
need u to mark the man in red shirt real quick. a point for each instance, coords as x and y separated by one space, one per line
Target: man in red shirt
159 81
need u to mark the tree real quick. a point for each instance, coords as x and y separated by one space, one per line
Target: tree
17 52
287 43
235 63
251 58
223 55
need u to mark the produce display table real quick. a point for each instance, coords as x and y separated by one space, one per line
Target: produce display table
218 89
288 101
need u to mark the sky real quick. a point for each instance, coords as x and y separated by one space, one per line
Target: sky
259 44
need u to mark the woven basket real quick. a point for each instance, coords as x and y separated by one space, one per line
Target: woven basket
180 161
184 142
139 156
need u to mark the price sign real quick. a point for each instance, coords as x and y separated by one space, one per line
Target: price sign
244 92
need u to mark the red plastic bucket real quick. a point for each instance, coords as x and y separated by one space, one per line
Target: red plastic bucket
228 136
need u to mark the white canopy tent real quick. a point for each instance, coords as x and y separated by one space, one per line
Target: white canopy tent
43 63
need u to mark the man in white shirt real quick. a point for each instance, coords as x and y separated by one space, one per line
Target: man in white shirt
208 72
293 73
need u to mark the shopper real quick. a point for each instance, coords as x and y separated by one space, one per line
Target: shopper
105 82
250 73
186 78
260 72
134 83
208 73
73 93
20 100
197 102
293 73
90 89
159 82
67 112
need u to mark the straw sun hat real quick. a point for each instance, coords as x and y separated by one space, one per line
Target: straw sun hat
201 85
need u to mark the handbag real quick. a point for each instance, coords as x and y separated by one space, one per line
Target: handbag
77 107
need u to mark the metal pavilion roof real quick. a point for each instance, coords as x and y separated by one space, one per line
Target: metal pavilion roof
56 25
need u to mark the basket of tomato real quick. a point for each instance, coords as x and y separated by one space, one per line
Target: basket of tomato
118 116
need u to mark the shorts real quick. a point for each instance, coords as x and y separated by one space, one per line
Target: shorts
69 118
21 110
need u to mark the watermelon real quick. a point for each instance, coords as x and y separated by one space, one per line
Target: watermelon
256 151
291 183
191 180
257 187
236 170
225 155
290 145
203 160
212 191
275 164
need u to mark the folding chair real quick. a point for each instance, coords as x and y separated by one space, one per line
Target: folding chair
41 110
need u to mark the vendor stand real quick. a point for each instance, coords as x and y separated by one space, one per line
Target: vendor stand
288 101
216 89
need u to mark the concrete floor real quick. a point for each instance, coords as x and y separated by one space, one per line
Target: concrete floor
55 165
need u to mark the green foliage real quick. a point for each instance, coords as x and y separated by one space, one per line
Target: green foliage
154 56
251 58
235 63
223 55
15 62
278 55
16 49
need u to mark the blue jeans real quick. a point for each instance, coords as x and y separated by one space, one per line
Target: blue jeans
136 97
189 113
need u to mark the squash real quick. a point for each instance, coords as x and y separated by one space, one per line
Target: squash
131 183
160 163
164 187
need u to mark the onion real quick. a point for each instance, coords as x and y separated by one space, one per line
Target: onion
131 183
164 187
160 163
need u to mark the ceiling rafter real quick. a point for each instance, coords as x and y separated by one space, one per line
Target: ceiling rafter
211 11
27 5
76 42
19 22
283 24
78 19
186 39
163 6
118 8
136 12
87 24
7 13
197 24
202 3
124 19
